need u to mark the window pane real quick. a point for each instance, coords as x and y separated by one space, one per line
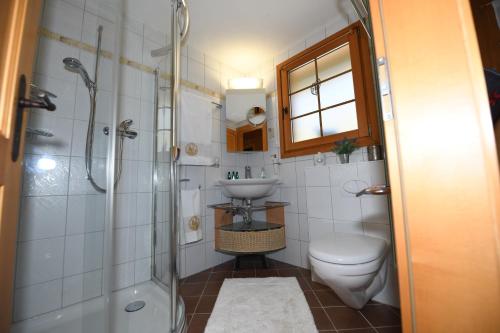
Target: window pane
339 119
302 77
306 128
337 90
303 102
334 62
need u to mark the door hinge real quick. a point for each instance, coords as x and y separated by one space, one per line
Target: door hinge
369 130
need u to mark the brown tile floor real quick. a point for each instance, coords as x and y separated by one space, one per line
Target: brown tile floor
330 314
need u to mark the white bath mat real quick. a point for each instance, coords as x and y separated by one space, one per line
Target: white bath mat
261 305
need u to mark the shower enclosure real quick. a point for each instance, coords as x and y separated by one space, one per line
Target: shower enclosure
97 240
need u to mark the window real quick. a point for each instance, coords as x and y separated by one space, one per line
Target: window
326 93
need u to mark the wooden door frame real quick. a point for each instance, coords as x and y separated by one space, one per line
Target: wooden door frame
442 166
18 39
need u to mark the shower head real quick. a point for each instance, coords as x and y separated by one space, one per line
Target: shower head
74 65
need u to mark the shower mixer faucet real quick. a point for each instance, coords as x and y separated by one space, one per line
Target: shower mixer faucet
123 129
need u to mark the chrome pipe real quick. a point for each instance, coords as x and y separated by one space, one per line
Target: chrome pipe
174 183
155 174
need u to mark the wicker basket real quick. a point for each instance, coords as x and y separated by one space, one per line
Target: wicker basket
250 241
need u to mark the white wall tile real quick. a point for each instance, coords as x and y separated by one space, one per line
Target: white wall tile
142 270
289 194
145 146
78 182
195 54
288 175
212 80
378 230
319 202
348 227
315 37
209 228
45 175
212 256
317 176
144 208
301 200
85 213
304 254
83 253
126 210
147 114
300 166
342 173
123 275
292 226
39 261
63 18
128 180
303 227
375 209
124 245
37 299
144 176
81 287
130 82
372 172
42 217
296 48
147 59
103 105
196 72
89 33
195 259
50 59
319 227
292 252
142 241
346 205
132 45
100 144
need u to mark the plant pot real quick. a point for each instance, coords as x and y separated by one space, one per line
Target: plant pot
344 158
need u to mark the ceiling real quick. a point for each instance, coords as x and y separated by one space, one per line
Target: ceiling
243 33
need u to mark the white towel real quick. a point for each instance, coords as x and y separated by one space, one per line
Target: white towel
196 119
196 160
191 217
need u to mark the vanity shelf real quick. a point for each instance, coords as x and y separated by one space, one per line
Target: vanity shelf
256 237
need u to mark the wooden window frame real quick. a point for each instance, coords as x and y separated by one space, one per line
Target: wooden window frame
364 91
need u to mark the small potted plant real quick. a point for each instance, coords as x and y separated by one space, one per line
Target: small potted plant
344 148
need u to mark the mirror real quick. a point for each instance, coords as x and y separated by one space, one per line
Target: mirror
246 125
256 116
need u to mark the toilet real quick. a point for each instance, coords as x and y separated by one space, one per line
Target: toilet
354 266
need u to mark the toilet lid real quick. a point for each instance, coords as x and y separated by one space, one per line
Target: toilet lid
347 249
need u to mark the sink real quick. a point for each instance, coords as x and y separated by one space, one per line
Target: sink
251 188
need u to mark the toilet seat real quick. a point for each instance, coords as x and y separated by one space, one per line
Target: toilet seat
347 249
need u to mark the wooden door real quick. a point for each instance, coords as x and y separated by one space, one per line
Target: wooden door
18 39
442 165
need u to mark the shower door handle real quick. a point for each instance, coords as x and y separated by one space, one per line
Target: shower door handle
39 99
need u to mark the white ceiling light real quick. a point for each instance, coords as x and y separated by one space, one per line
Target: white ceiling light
245 83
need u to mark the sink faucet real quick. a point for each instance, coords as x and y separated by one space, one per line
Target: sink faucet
248 172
